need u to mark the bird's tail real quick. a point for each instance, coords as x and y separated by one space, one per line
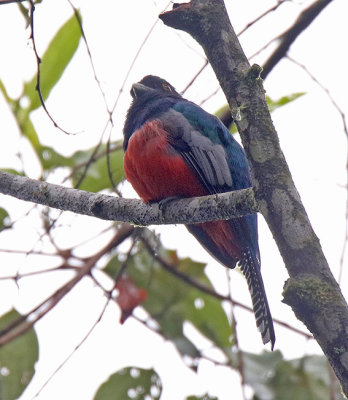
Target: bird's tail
250 267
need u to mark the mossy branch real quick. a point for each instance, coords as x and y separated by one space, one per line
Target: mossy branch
207 22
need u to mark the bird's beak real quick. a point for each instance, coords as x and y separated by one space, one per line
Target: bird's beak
138 90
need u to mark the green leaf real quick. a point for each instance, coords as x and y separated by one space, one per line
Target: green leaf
224 113
147 274
4 218
221 112
17 360
53 63
274 104
204 397
50 159
25 12
131 383
97 177
304 378
4 93
13 171
272 377
258 368
291 382
25 125
172 301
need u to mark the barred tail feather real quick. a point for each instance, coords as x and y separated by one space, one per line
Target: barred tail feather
250 267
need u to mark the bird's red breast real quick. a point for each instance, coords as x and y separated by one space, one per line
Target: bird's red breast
156 171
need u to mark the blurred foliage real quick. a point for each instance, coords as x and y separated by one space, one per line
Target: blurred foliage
17 360
97 177
171 301
4 218
53 63
56 58
224 112
131 384
268 374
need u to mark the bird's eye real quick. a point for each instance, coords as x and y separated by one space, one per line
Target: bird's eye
166 87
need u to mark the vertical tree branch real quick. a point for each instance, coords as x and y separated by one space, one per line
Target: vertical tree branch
311 290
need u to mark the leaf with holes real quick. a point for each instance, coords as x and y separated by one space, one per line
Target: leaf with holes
172 301
131 383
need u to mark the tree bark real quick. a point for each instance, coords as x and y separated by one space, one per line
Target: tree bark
311 290
111 208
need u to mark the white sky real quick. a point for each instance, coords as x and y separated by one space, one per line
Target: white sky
311 136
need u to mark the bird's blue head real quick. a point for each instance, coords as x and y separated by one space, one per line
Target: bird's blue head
151 97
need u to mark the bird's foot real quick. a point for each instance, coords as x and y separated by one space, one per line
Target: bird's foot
164 202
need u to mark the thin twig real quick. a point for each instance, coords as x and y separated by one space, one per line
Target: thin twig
79 21
32 252
115 147
108 163
286 39
122 89
24 323
124 265
90 161
109 112
19 276
195 77
38 74
82 341
250 24
210 96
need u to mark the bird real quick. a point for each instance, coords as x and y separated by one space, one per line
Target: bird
175 149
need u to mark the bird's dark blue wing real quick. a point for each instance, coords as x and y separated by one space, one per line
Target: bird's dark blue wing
208 160
210 150
213 129
220 163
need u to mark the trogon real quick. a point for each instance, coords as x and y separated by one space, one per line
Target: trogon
174 149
